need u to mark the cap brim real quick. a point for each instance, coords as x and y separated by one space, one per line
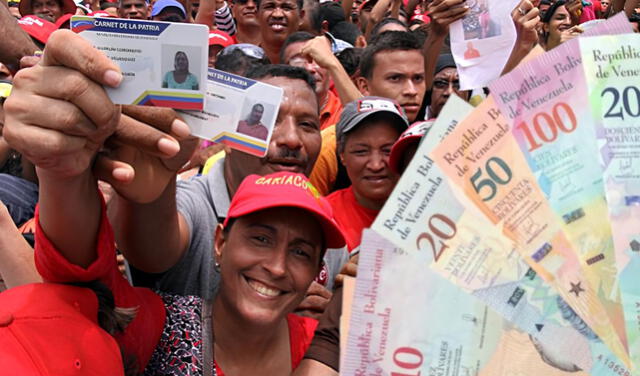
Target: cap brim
359 118
332 234
398 149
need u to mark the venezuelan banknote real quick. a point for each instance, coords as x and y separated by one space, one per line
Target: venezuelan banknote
612 70
408 320
425 215
545 102
483 159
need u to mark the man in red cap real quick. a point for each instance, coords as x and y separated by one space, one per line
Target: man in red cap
218 40
51 10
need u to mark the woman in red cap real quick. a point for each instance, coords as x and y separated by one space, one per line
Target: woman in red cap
268 251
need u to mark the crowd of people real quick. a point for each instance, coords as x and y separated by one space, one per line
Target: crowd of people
163 254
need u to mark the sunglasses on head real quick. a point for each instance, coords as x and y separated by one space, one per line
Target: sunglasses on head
246 48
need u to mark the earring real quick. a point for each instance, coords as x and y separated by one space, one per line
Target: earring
217 266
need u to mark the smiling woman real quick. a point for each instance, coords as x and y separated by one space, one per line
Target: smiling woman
268 252
557 25
367 130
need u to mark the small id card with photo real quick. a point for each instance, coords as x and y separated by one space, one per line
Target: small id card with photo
164 64
239 112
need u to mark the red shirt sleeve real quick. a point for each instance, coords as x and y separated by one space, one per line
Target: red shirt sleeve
143 333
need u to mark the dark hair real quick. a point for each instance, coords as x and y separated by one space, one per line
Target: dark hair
237 62
281 70
346 31
313 10
350 59
107 4
388 41
331 12
634 18
385 21
298 36
552 10
300 4
113 320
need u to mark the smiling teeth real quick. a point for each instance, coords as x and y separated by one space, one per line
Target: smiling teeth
262 289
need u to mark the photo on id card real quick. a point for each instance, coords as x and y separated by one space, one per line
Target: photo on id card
239 112
163 64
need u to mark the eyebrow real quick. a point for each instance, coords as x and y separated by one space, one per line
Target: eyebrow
273 230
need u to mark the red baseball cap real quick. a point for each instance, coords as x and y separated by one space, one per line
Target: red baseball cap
68 6
52 329
37 28
220 38
411 136
64 21
285 189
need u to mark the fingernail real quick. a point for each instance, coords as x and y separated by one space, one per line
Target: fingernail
167 146
112 78
180 128
122 174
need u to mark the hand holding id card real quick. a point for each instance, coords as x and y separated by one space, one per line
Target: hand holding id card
239 112
163 64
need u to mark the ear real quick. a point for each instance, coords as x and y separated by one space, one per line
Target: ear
302 13
361 42
325 26
363 85
341 156
218 245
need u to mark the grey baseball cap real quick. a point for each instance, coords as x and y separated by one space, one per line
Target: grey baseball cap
357 111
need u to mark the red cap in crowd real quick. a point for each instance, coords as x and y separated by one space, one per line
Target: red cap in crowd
68 6
285 189
220 38
412 135
64 21
51 329
37 28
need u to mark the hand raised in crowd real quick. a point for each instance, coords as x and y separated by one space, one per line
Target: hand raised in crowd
526 18
574 7
319 49
59 114
570 33
443 13
152 144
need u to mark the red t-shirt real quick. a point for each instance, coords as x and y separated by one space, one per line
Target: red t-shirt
255 130
350 215
301 331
